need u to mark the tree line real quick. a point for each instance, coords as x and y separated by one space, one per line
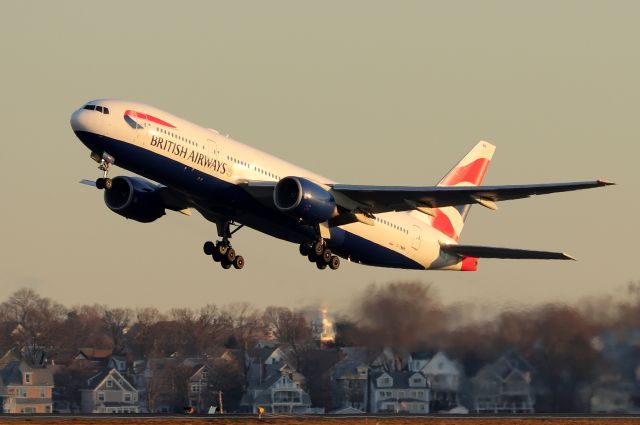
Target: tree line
559 340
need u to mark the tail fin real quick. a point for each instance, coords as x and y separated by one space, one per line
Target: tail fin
468 172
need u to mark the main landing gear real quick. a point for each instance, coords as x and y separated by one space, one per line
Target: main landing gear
105 161
317 252
221 251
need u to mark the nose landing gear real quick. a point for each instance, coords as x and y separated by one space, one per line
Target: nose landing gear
105 161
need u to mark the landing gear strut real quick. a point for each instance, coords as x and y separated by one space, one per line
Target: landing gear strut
221 251
317 252
105 161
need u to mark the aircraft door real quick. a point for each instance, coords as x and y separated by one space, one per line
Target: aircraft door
416 237
212 149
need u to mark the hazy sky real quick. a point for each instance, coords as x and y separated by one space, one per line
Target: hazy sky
361 92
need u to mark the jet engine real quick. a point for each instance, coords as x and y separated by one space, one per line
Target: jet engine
134 198
305 200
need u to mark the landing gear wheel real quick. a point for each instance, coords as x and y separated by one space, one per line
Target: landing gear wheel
108 184
100 183
238 263
326 255
318 248
221 249
231 255
208 248
312 257
305 249
334 263
225 265
321 264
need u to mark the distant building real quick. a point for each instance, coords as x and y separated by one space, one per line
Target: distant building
504 386
350 379
109 392
615 396
443 375
94 355
24 388
273 384
277 395
398 392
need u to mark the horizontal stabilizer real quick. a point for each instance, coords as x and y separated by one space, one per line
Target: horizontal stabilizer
494 252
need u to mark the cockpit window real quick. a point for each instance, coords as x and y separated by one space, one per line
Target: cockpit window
102 109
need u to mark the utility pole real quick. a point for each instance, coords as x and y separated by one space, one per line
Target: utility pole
220 402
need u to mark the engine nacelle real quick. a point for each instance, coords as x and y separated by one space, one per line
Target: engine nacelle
304 200
134 198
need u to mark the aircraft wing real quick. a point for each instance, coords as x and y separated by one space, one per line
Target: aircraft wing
379 199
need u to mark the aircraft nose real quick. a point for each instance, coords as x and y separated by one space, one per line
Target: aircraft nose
80 120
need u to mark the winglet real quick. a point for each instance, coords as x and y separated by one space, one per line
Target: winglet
605 183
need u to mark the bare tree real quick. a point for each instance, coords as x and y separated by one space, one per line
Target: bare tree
402 315
116 321
36 321
291 330
215 326
168 387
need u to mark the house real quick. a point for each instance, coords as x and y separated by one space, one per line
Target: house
118 363
350 378
615 396
264 362
504 386
443 375
273 384
200 394
347 411
109 392
24 388
396 392
94 355
391 360
258 359
277 394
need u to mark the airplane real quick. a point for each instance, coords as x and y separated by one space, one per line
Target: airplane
233 185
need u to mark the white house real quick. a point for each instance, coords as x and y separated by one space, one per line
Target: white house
109 392
399 392
278 394
443 376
